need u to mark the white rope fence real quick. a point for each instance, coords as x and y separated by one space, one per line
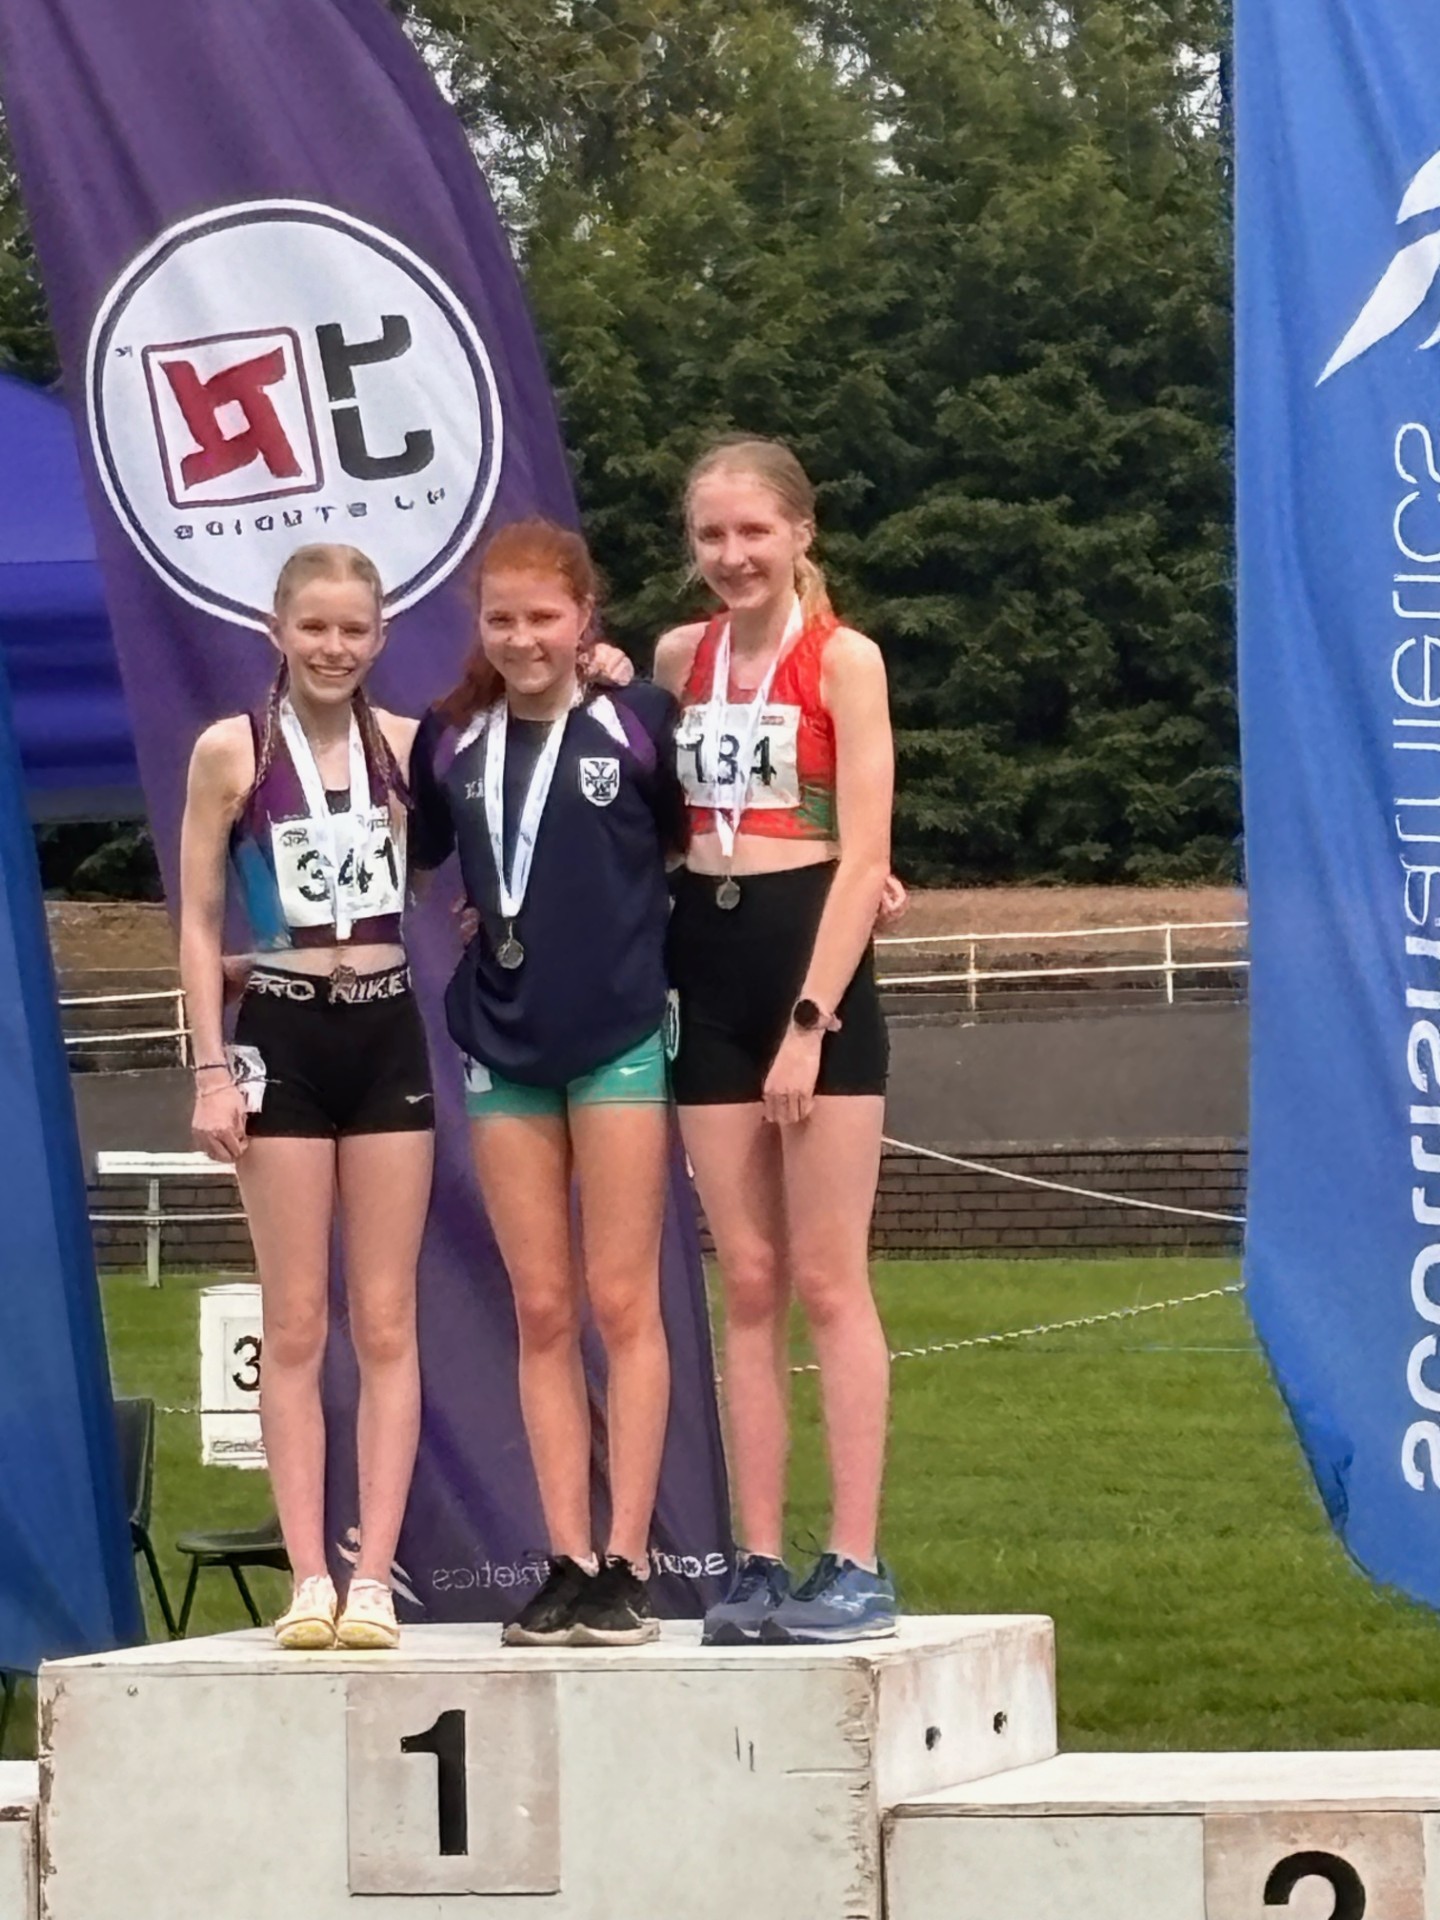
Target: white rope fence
1058 1186
1049 1326
976 1340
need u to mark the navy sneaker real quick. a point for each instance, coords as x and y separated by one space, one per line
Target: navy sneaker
837 1601
757 1587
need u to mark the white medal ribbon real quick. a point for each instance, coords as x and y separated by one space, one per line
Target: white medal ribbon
729 814
515 885
333 834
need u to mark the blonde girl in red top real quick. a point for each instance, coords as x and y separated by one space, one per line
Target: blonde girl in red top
786 757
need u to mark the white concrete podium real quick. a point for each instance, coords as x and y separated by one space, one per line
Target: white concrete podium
19 1869
1176 1836
224 1779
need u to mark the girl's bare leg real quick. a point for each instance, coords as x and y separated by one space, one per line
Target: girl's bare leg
738 1169
384 1197
620 1156
832 1168
288 1189
523 1164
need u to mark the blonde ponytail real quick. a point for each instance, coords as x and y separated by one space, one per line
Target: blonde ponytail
813 592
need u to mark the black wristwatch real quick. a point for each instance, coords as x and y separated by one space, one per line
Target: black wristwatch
810 1017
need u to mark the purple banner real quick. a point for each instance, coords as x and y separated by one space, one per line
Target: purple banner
287 312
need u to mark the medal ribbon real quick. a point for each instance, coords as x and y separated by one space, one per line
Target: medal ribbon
333 835
515 885
729 815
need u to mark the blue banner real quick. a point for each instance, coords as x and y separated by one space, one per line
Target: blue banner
1338 121
67 1582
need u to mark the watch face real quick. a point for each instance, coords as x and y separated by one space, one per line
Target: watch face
806 1014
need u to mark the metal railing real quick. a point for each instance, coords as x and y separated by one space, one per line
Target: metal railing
177 1032
153 1218
1167 963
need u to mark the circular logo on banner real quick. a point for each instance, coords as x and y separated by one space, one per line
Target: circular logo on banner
277 373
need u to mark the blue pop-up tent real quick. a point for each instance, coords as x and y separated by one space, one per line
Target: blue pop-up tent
69 710
67 1581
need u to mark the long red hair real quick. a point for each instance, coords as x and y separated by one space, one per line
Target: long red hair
524 546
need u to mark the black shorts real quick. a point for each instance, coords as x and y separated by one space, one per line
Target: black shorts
738 974
340 1056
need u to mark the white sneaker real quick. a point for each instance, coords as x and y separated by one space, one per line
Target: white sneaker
369 1617
308 1623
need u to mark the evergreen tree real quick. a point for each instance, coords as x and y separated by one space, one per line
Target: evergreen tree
970 259
1049 568
26 344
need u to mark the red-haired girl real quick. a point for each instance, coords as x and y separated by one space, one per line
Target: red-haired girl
561 799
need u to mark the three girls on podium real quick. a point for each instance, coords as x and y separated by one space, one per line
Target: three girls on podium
758 765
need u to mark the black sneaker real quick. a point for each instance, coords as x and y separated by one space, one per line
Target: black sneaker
547 1618
614 1610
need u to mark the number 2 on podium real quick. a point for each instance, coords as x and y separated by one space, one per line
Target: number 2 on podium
446 1740
1338 1875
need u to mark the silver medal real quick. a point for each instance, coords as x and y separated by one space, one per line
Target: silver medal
727 894
512 887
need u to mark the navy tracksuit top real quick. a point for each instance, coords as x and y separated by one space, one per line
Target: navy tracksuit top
593 922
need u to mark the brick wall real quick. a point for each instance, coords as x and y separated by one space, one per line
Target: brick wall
924 1206
182 1244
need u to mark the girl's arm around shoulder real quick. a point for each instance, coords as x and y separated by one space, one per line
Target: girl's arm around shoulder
675 655
658 713
654 706
399 731
432 826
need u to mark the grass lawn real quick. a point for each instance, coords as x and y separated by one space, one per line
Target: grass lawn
1137 1480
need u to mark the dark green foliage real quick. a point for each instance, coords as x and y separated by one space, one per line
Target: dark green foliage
98 860
972 261
26 346
971 258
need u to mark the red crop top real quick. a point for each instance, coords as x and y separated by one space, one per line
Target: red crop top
792 795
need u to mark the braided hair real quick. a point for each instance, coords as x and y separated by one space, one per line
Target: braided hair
269 729
323 561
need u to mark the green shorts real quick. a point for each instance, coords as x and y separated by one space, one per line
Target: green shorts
635 1078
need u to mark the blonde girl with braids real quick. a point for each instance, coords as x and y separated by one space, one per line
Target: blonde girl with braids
324 1099
785 753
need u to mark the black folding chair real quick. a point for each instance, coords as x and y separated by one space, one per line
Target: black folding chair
239 1548
135 1432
